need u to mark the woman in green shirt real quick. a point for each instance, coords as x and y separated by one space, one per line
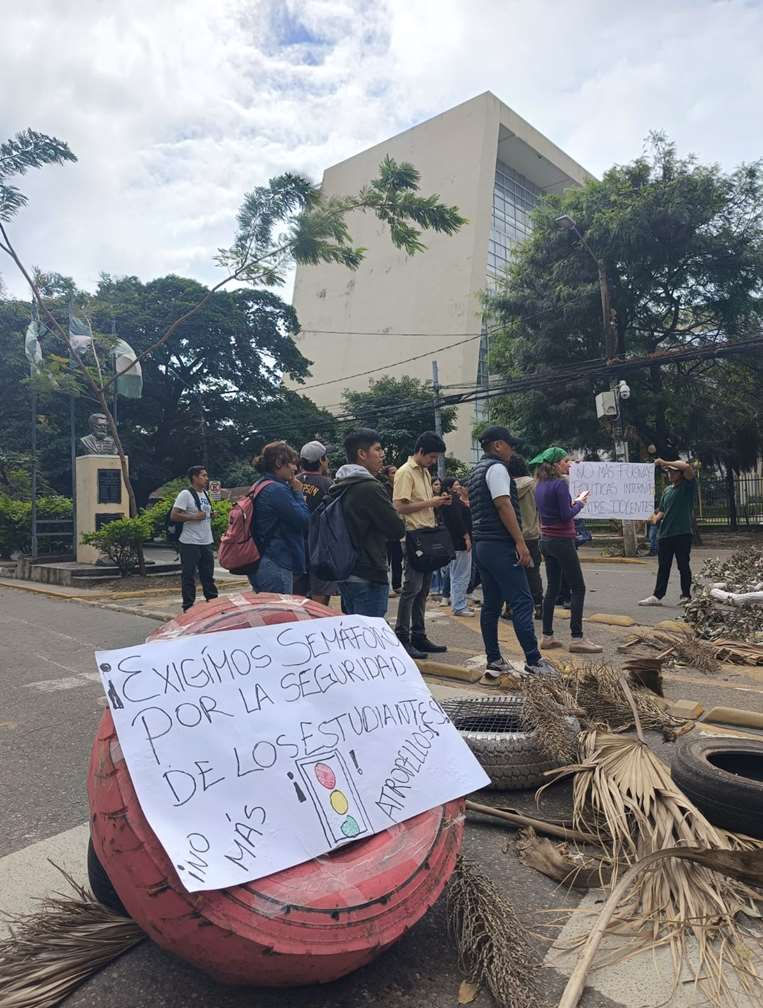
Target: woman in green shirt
674 514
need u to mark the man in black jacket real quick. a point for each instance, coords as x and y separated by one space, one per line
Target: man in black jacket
371 521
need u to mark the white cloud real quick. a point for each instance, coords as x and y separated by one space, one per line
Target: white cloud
176 108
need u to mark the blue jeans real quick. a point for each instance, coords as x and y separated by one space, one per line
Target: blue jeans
503 580
460 572
364 598
271 577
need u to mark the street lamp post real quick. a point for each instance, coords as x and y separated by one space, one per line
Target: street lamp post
610 350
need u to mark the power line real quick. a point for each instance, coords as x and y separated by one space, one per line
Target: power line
434 350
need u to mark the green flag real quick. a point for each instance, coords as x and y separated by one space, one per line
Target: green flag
129 384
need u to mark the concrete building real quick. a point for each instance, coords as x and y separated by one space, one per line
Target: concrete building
479 156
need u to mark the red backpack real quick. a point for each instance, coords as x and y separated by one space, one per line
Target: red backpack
238 550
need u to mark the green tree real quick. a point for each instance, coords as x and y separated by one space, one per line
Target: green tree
284 222
399 409
681 245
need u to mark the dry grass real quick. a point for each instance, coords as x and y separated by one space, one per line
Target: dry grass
51 952
547 709
596 691
623 792
492 950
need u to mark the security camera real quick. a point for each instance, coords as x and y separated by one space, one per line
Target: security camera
624 390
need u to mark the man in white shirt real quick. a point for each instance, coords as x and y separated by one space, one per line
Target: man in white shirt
193 509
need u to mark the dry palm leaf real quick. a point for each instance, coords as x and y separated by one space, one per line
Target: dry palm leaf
623 791
547 710
492 950
744 866
51 952
557 862
596 691
684 645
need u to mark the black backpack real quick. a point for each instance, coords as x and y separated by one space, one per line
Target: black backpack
331 553
173 529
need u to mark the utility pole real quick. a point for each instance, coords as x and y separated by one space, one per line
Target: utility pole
437 415
611 349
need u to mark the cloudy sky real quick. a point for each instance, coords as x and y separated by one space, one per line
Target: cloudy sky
176 107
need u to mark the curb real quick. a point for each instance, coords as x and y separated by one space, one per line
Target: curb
611 560
62 596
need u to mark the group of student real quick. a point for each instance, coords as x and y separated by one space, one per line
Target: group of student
502 523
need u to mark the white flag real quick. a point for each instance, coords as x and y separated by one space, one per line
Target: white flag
129 382
80 333
32 348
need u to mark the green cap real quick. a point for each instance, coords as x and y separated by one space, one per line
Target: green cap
549 455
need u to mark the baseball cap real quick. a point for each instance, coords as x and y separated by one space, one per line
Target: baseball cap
498 433
313 451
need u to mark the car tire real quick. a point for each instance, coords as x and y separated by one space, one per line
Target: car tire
512 757
723 777
100 883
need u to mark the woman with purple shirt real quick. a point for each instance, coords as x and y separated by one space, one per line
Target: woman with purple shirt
557 512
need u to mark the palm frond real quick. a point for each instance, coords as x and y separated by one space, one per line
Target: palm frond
49 953
623 792
492 950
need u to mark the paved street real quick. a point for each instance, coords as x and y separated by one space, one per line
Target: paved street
50 704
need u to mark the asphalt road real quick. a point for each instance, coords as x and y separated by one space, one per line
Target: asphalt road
50 704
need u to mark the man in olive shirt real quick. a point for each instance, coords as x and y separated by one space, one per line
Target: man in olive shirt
413 499
675 513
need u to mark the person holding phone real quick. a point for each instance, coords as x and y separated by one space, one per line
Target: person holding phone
557 512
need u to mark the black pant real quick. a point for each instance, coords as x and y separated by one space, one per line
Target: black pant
413 602
562 559
191 558
395 557
533 573
678 546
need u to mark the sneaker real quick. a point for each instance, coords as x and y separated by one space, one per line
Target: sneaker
580 645
547 643
497 667
464 612
650 600
425 644
445 602
543 668
684 600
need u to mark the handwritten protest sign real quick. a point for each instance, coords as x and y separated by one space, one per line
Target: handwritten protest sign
618 489
254 750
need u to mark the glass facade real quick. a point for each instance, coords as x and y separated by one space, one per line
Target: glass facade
514 197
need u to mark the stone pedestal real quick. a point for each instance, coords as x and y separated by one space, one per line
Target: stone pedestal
101 497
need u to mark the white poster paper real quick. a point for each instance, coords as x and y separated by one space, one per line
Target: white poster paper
254 750
618 489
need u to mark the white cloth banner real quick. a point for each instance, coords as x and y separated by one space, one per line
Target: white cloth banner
618 489
254 750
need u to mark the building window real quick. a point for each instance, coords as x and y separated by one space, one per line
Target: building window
514 197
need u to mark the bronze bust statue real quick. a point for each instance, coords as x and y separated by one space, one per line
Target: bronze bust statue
98 441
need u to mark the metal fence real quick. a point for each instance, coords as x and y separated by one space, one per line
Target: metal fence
720 501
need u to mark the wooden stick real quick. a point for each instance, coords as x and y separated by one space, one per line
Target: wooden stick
537 824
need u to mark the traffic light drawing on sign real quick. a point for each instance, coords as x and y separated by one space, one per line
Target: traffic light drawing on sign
336 800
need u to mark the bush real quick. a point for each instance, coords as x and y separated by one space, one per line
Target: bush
120 540
16 522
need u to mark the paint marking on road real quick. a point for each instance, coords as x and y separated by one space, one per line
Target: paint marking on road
65 682
27 875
